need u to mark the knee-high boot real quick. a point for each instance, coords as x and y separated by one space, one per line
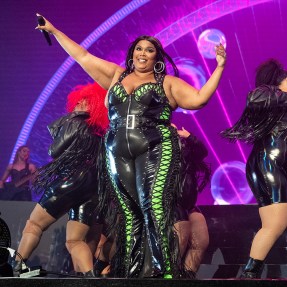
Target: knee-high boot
252 269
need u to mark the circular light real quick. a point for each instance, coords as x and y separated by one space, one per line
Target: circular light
192 73
208 40
223 191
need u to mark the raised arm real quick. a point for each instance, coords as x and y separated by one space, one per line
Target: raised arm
187 97
100 70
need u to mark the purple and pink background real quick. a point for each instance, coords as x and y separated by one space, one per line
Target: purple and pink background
35 77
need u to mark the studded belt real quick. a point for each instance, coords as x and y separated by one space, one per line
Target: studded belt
133 121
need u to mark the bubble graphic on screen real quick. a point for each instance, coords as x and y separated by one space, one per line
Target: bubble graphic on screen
191 72
207 40
229 184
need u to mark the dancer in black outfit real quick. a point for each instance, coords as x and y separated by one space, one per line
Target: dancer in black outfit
73 180
264 125
192 227
142 148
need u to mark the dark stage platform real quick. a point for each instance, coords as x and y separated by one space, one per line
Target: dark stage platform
17 282
231 230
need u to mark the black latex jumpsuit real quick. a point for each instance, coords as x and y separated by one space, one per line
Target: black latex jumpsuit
143 158
264 124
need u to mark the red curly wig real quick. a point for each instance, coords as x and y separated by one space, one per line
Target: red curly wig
95 98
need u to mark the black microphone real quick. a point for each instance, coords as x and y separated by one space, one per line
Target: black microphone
41 22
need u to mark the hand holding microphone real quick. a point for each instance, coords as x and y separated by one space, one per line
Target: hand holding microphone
41 22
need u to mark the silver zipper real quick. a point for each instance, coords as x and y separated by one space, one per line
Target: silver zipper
127 125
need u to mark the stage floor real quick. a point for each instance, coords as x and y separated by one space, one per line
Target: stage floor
231 229
72 282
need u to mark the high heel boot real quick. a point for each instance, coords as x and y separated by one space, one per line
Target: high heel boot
252 269
99 266
19 267
89 274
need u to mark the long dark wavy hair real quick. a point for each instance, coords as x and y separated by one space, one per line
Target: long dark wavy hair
161 55
16 158
270 72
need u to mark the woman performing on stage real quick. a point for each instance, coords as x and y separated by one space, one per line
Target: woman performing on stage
142 148
264 125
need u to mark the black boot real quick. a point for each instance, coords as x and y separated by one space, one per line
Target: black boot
252 269
19 267
190 274
89 274
99 266
187 274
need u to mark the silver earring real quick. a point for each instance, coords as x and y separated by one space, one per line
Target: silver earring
131 64
159 67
